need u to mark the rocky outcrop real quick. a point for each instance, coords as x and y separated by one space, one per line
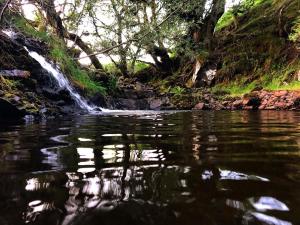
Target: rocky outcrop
138 97
26 88
15 73
257 100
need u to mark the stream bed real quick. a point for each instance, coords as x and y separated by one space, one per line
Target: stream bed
152 168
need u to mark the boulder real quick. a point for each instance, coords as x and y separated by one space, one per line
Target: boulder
8 110
155 104
199 106
15 73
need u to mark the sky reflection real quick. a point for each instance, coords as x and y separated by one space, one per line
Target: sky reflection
176 169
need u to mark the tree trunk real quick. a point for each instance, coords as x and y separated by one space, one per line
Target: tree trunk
55 21
78 41
161 58
206 32
218 9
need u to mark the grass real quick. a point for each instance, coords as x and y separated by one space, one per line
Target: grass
139 66
177 91
278 78
22 24
112 69
79 77
234 89
59 54
228 17
281 78
225 20
295 35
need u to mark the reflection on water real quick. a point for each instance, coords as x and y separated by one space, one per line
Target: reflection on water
181 168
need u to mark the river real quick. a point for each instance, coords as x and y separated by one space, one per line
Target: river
152 168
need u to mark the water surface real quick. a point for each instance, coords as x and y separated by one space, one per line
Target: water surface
210 168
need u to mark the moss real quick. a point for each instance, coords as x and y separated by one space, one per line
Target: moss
7 85
235 88
59 53
247 5
139 66
68 66
111 68
278 77
295 35
28 29
225 20
282 77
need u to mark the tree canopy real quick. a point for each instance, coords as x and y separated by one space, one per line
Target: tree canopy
129 31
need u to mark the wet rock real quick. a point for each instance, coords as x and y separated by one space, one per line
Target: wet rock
251 103
129 104
65 95
8 110
51 94
280 93
17 98
199 106
43 111
98 99
29 84
15 73
237 105
139 86
155 104
297 103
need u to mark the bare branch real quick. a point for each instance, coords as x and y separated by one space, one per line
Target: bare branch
3 9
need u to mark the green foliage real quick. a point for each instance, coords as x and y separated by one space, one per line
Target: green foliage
79 77
177 90
112 84
22 25
295 35
237 10
111 68
279 77
7 85
225 20
59 54
235 88
139 66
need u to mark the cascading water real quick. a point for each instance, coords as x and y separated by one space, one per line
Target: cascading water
63 82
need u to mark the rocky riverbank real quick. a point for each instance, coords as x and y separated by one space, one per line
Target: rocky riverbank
28 89
25 87
145 97
257 100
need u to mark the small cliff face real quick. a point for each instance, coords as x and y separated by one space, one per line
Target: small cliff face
25 87
260 47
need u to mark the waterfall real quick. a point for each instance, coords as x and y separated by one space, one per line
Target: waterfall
63 82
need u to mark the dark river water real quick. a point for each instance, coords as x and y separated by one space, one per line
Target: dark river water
184 168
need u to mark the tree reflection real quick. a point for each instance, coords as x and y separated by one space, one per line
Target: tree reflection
157 169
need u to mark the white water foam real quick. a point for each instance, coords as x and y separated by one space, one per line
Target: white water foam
63 82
